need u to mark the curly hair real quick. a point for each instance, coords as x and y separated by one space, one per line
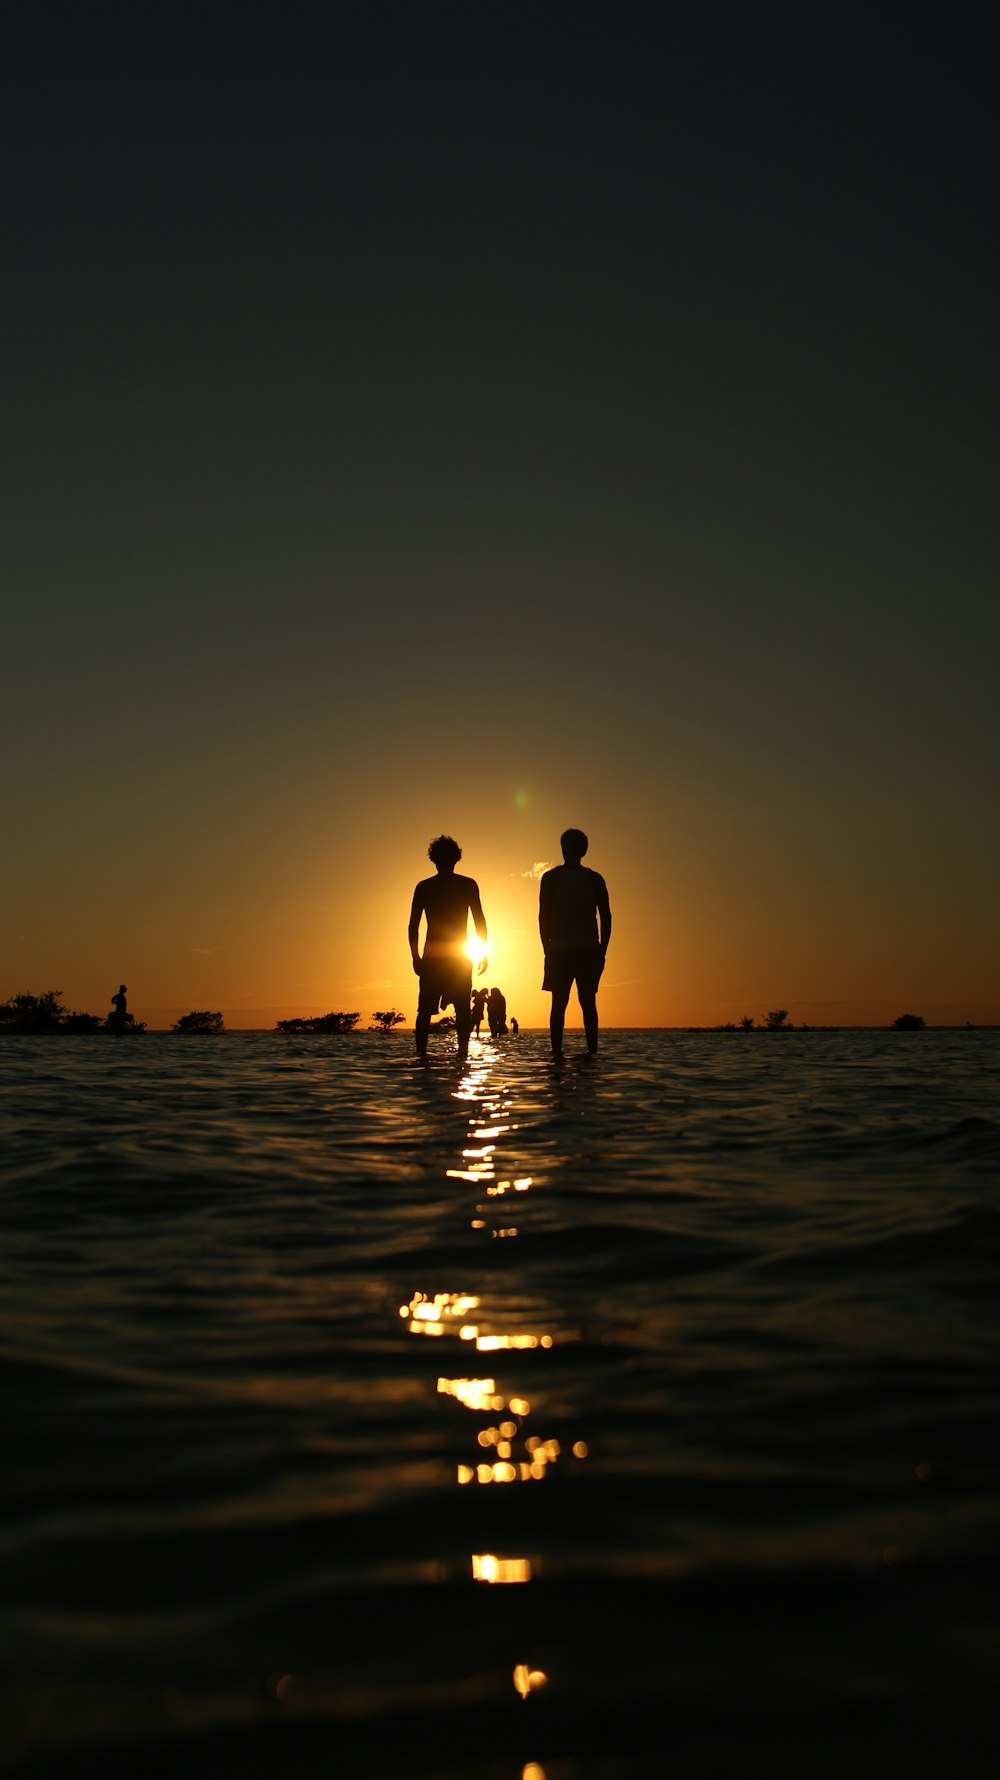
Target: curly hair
444 851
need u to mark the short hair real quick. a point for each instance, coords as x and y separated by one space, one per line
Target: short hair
574 843
444 851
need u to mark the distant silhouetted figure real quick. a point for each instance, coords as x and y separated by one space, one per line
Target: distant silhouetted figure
574 920
121 1018
445 970
498 1013
478 1008
515 1028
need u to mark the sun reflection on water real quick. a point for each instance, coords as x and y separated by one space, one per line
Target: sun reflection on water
486 1567
527 1680
502 1450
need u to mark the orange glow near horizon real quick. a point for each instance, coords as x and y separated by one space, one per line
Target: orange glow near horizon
693 944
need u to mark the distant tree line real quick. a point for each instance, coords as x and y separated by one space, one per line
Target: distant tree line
777 1021
46 1013
380 1022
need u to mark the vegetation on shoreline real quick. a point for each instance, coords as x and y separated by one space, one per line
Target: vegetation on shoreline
199 1022
45 1013
777 1021
379 1022
31 1014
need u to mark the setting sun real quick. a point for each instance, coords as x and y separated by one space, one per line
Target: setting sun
475 948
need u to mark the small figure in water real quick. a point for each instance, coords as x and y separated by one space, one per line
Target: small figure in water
574 921
498 1013
445 969
121 1018
478 1008
515 1028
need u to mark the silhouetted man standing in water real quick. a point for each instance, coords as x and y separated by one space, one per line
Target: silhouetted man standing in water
445 970
121 1018
574 920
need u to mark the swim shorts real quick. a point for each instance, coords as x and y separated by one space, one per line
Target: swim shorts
565 965
442 980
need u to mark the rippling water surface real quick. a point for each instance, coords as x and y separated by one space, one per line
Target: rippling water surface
367 1419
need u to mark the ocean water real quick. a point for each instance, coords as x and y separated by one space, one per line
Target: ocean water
368 1419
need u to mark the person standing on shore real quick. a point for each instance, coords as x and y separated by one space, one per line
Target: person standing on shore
574 921
445 902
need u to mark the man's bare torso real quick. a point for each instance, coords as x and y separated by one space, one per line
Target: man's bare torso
446 901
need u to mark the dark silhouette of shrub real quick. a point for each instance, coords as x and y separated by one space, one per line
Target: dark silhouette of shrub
321 1023
45 1013
199 1022
910 1023
386 1021
33 1013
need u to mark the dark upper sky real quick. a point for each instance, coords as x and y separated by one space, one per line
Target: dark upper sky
636 357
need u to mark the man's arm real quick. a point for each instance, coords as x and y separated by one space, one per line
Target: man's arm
479 922
603 914
545 909
413 931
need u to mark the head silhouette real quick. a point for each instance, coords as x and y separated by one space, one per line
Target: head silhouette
443 851
574 844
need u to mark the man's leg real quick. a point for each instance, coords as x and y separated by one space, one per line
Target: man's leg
588 1008
422 1025
463 1026
557 1018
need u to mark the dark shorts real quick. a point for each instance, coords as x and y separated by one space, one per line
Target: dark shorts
580 964
442 980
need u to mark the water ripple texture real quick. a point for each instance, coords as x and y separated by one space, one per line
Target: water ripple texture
501 1420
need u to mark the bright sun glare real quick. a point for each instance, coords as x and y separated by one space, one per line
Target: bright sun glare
475 948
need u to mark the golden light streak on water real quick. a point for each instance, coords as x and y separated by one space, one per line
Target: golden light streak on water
475 1393
487 1567
528 1680
427 1315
